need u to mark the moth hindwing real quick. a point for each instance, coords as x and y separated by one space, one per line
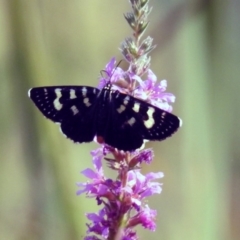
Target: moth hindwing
121 120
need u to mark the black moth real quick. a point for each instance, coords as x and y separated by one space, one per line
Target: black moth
121 120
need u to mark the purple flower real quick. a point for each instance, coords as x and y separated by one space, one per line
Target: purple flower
155 93
96 187
99 225
146 218
140 156
139 186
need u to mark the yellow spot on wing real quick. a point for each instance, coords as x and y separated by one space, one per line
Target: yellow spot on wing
57 105
150 121
136 107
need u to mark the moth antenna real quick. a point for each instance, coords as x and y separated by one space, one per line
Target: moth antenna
118 63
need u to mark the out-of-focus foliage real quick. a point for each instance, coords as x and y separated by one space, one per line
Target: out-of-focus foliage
68 42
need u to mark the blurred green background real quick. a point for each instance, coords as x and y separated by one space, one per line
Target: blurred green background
54 42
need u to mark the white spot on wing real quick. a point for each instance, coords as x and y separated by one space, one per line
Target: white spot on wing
74 110
60 129
131 121
84 91
136 107
121 109
57 105
180 122
72 94
126 100
86 102
29 92
150 121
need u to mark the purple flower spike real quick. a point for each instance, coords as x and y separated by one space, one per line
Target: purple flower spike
122 200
